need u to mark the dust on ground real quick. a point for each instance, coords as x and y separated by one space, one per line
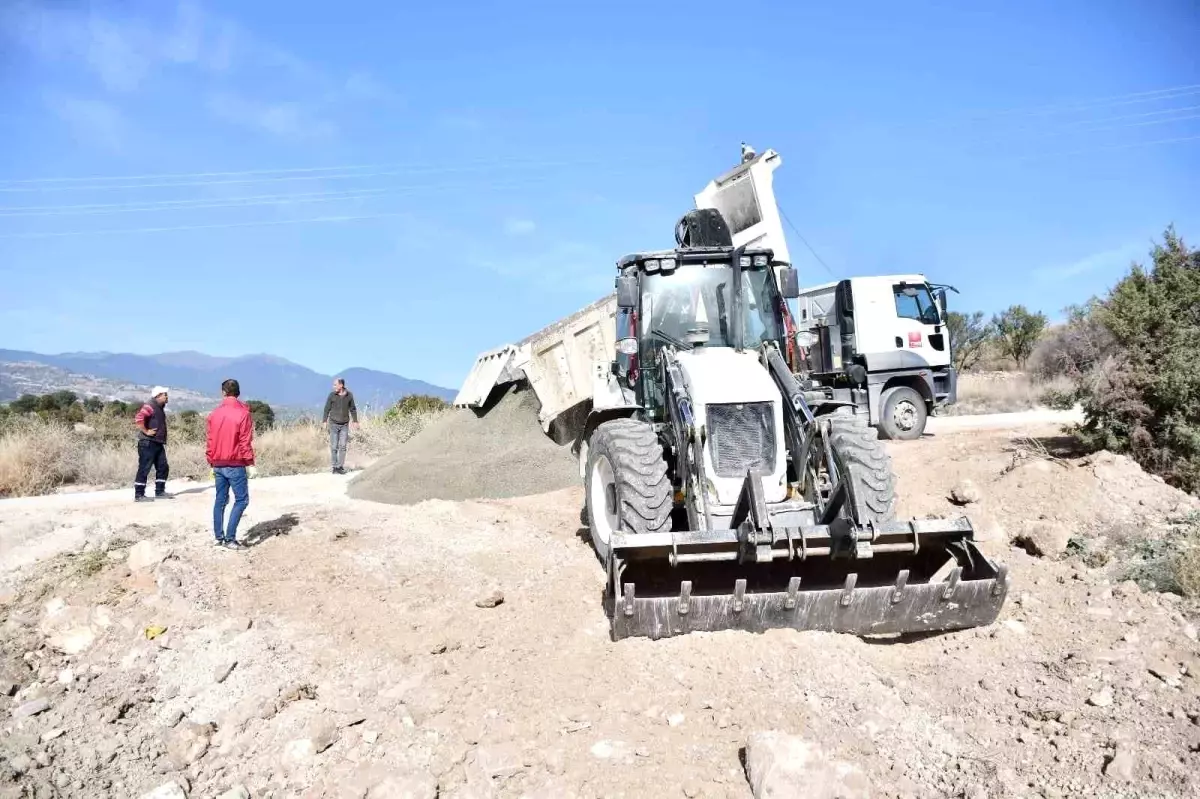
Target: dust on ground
464 455
459 649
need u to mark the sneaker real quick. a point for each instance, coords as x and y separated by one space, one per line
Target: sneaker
235 546
219 543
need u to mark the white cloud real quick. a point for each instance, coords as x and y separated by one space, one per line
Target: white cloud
1117 258
282 119
126 52
93 121
520 227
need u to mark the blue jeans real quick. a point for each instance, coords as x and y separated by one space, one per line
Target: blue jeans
229 477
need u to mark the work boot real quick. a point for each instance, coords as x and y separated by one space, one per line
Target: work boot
142 498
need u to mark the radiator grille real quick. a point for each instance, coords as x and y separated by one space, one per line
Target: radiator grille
742 436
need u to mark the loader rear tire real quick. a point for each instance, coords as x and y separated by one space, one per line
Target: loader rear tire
861 458
626 486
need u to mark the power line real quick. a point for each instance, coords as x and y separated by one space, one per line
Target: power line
172 205
1102 129
172 228
1127 146
200 179
1134 98
796 230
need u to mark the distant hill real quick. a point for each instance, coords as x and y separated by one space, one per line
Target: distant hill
266 377
34 378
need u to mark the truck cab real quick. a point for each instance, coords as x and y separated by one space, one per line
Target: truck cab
880 341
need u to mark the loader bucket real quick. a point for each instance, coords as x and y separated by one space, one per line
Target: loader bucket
903 577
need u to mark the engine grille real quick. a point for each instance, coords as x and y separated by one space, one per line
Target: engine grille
741 436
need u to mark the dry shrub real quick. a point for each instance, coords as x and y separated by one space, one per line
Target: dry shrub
39 456
1006 392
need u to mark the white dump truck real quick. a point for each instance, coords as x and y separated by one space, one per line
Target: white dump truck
879 343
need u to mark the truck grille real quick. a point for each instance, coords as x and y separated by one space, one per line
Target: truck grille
742 436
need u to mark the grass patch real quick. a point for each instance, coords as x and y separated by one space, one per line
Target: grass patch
39 456
1165 559
1009 392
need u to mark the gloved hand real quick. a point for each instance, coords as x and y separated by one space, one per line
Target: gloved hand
251 472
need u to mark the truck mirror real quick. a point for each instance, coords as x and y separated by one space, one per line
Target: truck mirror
940 296
789 283
627 292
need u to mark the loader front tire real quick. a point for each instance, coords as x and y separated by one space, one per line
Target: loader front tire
861 458
626 485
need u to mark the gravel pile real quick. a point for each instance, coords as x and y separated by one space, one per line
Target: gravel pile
503 453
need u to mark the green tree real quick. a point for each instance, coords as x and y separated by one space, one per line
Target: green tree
263 415
969 336
1145 399
93 405
118 408
26 403
414 404
1018 331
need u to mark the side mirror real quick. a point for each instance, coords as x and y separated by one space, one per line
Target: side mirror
627 292
789 283
940 297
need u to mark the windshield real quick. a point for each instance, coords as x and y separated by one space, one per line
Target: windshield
916 302
695 302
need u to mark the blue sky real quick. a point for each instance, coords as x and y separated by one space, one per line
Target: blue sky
487 163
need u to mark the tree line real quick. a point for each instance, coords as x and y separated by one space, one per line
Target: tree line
1131 356
68 407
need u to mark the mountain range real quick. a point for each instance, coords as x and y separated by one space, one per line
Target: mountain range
274 380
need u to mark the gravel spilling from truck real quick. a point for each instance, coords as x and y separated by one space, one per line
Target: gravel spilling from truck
503 453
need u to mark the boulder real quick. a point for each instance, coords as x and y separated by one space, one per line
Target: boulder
145 555
782 766
1043 539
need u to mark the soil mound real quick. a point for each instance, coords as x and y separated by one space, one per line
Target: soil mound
503 453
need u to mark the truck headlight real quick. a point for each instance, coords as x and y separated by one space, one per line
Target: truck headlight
668 264
760 260
651 265
744 261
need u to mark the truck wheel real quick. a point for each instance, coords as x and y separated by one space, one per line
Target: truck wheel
626 487
861 459
903 414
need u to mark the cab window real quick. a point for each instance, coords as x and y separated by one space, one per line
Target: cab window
915 302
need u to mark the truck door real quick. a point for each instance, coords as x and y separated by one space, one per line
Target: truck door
918 323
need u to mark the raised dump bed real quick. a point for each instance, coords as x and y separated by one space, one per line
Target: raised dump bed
559 362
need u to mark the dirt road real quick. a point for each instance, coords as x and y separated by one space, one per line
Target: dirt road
358 649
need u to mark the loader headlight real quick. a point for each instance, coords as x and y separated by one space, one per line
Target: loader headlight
668 264
627 346
760 260
651 265
744 261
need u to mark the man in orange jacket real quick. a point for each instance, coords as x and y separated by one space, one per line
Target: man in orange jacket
230 450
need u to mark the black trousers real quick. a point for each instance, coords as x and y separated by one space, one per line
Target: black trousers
151 453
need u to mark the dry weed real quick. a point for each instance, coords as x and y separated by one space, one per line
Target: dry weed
38 457
1003 392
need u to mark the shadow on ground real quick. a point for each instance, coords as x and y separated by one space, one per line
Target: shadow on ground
271 528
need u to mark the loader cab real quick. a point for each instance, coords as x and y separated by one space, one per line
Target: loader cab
686 298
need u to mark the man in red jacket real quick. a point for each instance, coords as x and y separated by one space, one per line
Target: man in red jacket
230 450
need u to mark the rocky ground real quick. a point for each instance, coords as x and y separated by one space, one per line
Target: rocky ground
458 649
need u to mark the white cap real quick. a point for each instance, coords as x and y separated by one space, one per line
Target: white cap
154 392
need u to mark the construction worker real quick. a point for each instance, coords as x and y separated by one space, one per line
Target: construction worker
151 425
340 412
230 452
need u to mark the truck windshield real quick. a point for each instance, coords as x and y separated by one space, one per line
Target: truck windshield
697 300
915 301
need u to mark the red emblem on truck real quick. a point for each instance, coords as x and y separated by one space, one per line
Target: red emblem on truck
914 339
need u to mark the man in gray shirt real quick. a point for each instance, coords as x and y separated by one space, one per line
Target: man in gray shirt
340 412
